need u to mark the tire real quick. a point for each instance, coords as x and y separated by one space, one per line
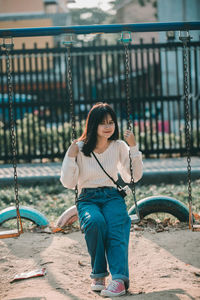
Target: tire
68 217
28 213
164 204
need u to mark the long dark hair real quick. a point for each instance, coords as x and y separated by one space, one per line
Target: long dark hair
95 116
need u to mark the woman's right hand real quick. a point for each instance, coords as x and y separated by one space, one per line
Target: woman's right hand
73 149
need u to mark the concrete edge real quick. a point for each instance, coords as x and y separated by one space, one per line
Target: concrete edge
150 177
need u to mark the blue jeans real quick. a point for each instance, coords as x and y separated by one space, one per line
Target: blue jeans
105 221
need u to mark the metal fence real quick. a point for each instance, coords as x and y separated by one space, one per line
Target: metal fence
41 101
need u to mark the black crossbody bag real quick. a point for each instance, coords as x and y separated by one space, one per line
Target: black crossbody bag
120 189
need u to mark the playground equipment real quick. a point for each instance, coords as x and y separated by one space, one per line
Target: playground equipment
153 204
18 212
27 213
142 207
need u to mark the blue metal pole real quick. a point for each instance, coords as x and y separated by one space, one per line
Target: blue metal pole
111 28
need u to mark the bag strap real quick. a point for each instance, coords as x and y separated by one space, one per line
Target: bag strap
119 187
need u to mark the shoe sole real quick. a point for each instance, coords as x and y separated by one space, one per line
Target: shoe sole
97 288
110 294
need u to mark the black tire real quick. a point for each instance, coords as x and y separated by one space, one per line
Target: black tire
164 204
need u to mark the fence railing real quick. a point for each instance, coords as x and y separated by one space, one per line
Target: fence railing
41 101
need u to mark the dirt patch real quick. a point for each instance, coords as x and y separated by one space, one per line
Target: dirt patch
163 265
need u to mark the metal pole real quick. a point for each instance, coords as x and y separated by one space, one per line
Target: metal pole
110 28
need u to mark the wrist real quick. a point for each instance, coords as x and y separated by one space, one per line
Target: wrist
132 144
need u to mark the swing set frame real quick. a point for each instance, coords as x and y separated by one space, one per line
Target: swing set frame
125 30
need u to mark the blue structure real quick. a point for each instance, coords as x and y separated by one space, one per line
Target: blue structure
111 28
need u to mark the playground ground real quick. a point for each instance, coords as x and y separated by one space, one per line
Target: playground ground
164 264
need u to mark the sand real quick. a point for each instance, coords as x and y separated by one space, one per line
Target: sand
163 265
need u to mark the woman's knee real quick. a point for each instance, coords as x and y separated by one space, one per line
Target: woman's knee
95 224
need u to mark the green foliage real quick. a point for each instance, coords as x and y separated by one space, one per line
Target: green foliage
53 199
37 136
34 135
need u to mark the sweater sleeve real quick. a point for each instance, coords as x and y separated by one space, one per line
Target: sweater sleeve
136 157
69 172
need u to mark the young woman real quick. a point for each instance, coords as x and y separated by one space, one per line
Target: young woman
102 210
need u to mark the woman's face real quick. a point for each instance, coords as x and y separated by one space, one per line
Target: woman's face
106 128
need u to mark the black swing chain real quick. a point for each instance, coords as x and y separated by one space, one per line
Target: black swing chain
185 41
127 72
128 105
70 90
128 102
8 47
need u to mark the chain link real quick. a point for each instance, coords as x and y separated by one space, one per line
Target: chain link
8 47
127 83
71 101
128 100
185 41
70 90
129 126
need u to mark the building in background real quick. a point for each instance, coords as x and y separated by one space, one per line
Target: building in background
37 13
132 11
178 11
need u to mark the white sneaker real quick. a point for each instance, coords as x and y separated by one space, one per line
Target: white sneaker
98 284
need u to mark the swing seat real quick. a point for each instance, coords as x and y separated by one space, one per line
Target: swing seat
196 227
26 212
161 204
68 217
9 234
134 219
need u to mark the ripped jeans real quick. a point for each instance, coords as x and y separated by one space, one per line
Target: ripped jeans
106 224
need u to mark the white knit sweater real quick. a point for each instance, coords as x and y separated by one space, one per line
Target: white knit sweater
86 172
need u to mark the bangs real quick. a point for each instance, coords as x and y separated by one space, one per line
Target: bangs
103 114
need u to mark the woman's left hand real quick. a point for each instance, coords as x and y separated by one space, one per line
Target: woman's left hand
129 138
